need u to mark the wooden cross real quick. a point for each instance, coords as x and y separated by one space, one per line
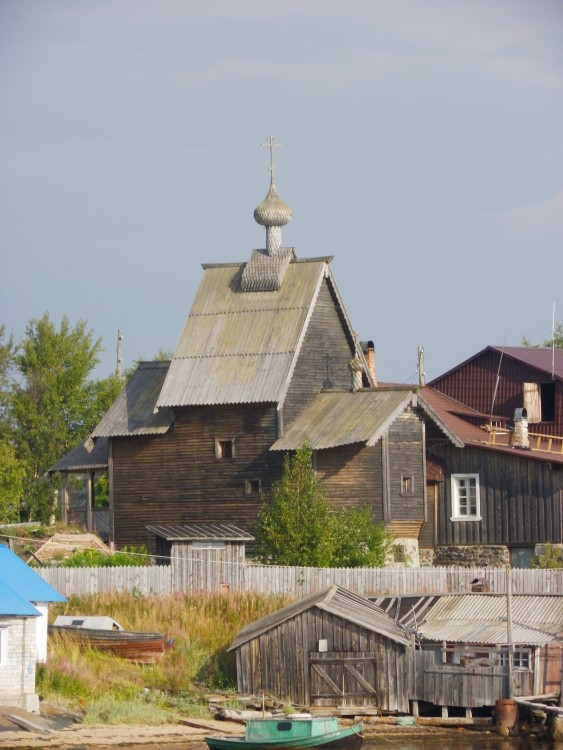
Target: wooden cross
271 142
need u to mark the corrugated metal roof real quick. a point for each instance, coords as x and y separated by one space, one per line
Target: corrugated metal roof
482 618
83 459
14 605
134 411
24 580
239 347
337 601
201 532
341 418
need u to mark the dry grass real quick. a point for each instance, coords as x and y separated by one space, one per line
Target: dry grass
114 690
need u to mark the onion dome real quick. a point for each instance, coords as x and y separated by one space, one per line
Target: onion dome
272 212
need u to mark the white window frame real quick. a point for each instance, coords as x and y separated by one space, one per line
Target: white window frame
459 513
521 659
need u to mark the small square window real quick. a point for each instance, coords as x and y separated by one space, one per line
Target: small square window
465 497
252 487
521 658
224 448
407 484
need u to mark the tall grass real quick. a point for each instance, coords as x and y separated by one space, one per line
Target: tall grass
113 690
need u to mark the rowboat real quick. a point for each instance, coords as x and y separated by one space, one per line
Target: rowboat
292 734
143 648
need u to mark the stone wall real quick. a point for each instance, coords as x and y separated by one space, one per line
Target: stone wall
495 556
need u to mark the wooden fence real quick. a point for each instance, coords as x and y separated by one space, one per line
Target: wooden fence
205 571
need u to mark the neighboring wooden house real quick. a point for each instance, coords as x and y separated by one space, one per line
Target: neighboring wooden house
268 350
484 490
462 657
29 585
333 649
500 380
17 650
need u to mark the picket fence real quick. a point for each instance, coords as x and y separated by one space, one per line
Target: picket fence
206 572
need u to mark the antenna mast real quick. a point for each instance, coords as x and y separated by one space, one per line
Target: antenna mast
119 353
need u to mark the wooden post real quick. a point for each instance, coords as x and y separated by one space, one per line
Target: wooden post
509 633
90 501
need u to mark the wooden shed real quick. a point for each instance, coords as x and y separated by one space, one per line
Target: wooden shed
199 551
331 649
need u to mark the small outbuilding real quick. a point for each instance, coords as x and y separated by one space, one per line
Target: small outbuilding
331 649
29 585
199 550
18 619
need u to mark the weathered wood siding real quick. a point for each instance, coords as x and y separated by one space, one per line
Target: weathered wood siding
521 501
325 336
455 685
280 662
352 476
406 459
474 384
176 478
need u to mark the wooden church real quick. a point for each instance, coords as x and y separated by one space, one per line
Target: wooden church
268 358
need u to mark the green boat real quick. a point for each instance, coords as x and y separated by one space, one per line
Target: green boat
292 734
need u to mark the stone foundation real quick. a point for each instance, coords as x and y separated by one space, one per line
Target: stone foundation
479 556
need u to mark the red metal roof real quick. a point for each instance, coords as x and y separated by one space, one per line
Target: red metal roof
472 434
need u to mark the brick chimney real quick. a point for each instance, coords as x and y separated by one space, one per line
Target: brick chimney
369 353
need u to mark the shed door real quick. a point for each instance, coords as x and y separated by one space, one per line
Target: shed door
342 678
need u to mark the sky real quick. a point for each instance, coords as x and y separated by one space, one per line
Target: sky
421 146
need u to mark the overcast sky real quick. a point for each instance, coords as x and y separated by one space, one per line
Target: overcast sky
422 147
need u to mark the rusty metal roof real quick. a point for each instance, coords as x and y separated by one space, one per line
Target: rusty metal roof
338 601
134 411
240 347
482 618
340 418
201 532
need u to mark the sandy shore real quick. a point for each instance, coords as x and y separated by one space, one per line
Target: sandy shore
172 736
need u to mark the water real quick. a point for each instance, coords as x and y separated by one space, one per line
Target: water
480 741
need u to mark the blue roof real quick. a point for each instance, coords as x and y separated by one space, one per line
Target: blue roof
12 604
24 580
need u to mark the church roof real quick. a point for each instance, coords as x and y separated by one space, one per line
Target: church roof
241 346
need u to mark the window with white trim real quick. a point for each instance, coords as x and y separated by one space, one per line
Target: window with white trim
521 659
466 504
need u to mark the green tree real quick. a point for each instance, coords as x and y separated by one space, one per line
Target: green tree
360 542
295 527
52 402
12 476
556 339
299 527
